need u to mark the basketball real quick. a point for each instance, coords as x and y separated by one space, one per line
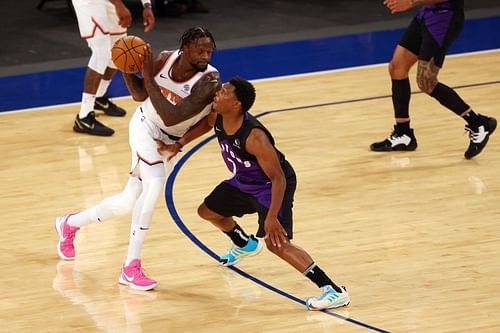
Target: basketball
125 54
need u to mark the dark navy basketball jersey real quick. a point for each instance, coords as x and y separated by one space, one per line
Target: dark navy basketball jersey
248 176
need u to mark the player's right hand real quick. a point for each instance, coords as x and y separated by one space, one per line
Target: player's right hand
124 16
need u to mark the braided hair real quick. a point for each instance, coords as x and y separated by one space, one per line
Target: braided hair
193 34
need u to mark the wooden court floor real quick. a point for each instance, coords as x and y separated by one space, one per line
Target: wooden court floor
415 236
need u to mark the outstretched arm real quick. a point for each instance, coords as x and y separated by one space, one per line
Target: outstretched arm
200 128
201 95
396 6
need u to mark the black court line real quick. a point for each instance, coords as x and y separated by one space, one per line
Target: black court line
364 99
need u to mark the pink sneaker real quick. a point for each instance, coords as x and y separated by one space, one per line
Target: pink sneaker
65 247
133 276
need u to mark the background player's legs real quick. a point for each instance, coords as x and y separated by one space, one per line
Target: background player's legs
402 138
480 127
102 101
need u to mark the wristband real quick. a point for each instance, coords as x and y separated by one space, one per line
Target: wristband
146 3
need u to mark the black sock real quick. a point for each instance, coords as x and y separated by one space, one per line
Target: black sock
449 98
403 127
238 236
472 119
401 93
316 275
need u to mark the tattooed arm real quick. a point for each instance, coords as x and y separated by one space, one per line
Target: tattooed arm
135 84
396 6
201 95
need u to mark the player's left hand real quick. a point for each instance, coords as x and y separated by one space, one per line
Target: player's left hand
168 149
275 231
396 6
148 19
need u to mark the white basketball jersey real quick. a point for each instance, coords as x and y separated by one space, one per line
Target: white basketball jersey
174 92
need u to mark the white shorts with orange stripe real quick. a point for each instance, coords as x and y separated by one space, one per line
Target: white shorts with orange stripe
97 17
144 149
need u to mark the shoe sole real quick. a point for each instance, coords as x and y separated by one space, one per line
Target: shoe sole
254 253
134 286
86 131
311 308
111 114
397 148
58 226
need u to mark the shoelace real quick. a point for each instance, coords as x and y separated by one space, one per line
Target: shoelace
394 135
473 136
68 242
138 271
235 251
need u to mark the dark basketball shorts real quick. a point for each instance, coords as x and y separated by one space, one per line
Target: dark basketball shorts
227 200
430 37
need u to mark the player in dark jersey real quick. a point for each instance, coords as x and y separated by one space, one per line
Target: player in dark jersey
263 182
426 40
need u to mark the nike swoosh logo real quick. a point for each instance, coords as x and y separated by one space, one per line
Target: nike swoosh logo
163 76
105 106
84 124
128 278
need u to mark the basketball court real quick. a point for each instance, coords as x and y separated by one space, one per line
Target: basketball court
413 235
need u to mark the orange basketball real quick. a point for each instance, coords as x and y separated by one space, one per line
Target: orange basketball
125 54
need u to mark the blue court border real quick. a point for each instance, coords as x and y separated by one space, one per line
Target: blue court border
169 199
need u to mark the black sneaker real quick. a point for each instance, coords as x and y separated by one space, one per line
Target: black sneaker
91 126
479 136
396 141
111 109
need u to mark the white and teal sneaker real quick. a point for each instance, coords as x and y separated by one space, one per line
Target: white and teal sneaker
235 254
330 299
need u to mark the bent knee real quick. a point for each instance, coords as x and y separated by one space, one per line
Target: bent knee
205 213
397 70
277 250
426 83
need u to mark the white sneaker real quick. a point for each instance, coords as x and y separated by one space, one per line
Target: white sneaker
329 299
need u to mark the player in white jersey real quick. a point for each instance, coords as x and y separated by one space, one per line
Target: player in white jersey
177 90
101 24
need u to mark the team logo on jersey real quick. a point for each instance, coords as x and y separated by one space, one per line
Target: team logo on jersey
186 88
237 144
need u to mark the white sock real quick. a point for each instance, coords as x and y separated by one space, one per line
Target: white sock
137 236
103 87
87 106
142 214
83 218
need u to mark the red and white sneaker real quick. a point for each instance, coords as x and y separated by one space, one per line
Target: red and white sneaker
133 276
65 247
